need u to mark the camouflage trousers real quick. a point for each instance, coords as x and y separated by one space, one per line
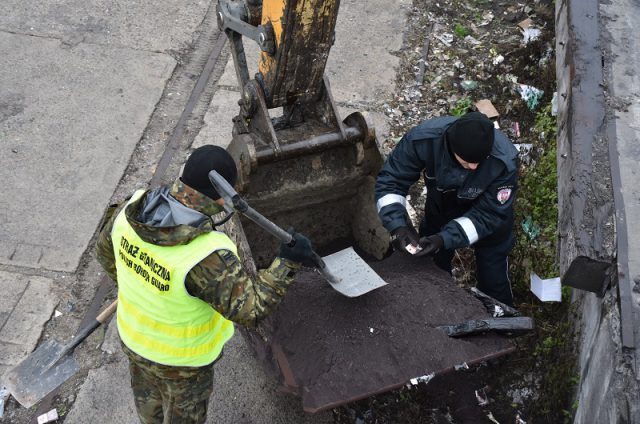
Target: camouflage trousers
169 395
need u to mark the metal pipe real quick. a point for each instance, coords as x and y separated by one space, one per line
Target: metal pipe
310 145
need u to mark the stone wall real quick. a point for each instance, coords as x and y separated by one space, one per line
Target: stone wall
591 215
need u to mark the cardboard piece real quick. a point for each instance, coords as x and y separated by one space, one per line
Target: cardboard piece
526 23
485 106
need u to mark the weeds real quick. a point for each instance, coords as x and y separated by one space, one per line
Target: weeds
461 107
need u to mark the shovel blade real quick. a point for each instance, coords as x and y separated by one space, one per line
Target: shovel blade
355 277
34 378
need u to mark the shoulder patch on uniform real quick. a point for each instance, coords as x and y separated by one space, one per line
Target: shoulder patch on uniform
503 195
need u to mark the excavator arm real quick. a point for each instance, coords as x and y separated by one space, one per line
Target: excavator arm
298 161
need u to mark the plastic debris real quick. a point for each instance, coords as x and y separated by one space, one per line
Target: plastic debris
492 418
530 95
468 85
497 311
445 38
424 379
546 290
530 228
530 34
48 417
520 420
462 366
497 60
515 128
4 395
57 313
481 397
473 41
554 104
486 19
493 306
485 106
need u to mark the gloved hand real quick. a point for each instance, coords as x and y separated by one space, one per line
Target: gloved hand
405 239
301 251
430 245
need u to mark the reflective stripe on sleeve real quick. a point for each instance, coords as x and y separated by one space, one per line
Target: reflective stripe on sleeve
388 199
468 228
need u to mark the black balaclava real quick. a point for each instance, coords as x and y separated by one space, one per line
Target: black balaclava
471 137
203 160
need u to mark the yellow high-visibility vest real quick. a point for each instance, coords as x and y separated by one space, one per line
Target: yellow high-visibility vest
157 318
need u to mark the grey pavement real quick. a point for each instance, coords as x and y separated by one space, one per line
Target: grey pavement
80 82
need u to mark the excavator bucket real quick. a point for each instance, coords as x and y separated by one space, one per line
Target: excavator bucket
322 187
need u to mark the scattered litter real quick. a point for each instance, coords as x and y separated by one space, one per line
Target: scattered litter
445 38
4 395
468 85
48 417
396 140
525 24
492 418
497 60
371 330
481 397
530 95
485 106
546 290
497 311
530 34
474 42
515 128
462 366
530 228
424 379
520 420
57 313
554 104
486 19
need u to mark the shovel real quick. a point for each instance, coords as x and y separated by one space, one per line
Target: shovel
344 270
49 366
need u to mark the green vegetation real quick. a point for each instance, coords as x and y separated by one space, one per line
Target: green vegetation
460 30
537 202
461 107
551 346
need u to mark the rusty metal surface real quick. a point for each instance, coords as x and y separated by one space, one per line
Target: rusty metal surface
331 350
295 72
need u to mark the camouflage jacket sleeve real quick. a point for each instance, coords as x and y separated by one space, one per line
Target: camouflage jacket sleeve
221 281
104 245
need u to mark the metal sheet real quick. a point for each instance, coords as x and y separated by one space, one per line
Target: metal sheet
355 276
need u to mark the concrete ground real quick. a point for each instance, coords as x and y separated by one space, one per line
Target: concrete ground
90 92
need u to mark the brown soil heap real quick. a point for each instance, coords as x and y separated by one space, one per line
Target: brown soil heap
331 350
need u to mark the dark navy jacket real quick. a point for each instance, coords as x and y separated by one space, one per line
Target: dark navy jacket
467 205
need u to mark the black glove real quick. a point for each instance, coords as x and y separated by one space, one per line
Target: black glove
430 245
402 237
300 251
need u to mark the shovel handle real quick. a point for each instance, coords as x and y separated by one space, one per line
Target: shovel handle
85 331
108 311
230 195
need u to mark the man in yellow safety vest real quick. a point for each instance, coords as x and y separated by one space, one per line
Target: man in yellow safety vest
181 285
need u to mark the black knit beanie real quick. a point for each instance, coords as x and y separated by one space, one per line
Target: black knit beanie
203 160
471 137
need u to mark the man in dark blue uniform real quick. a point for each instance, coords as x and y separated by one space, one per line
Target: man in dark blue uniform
470 172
